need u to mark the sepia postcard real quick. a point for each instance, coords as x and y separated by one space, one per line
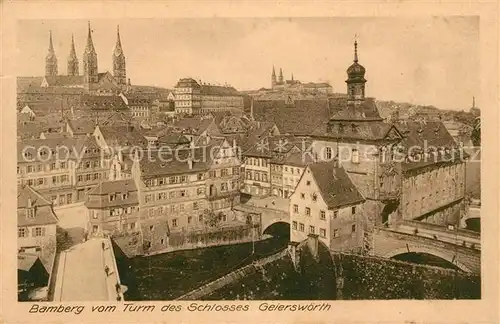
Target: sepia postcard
267 162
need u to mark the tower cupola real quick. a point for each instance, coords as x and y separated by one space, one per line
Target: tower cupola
355 80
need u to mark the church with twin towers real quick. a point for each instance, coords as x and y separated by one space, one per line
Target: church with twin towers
91 79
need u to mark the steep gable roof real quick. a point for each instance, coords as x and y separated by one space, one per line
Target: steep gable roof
81 126
334 184
24 83
122 135
358 130
299 117
103 102
26 261
342 111
44 215
193 125
64 80
416 133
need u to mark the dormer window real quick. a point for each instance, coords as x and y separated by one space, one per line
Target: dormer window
112 197
125 196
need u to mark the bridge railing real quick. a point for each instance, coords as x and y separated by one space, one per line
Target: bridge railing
230 277
437 234
434 227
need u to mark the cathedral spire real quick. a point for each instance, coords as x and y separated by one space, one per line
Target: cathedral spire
51 59
90 45
90 61
73 45
119 69
51 46
273 78
281 76
72 59
118 46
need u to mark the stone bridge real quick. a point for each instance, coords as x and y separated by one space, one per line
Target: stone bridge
272 210
459 247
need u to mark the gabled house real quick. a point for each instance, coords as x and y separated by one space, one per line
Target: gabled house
36 225
113 207
28 111
327 203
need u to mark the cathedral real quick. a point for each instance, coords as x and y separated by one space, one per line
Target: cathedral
279 83
92 81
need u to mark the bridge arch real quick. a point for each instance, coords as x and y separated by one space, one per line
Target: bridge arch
279 228
266 223
419 249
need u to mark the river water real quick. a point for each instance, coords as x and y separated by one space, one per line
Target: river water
170 275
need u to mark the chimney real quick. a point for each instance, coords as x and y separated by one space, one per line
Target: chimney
29 202
334 173
120 155
251 107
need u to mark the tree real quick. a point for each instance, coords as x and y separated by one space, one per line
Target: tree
210 218
476 132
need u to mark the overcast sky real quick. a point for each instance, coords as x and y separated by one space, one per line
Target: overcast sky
418 60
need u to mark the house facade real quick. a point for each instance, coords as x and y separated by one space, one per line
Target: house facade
327 203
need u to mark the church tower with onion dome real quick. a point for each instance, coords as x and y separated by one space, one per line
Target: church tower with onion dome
355 80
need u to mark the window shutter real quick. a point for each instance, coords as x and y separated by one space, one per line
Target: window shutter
33 231
43 231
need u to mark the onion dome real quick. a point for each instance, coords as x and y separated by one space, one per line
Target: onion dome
356 71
